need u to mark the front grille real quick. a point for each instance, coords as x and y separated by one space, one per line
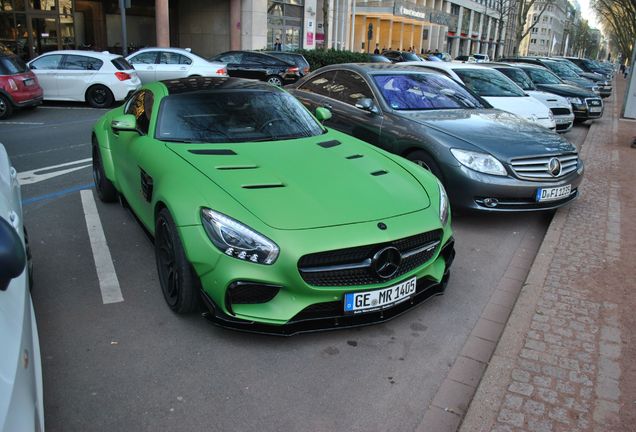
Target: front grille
560 111
536 168
352 266
563 126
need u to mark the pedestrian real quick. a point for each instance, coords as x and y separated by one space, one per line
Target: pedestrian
277 45
622 68
626 73
377 49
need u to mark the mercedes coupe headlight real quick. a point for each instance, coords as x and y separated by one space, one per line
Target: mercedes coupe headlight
237 240
481 162
443 204
575 100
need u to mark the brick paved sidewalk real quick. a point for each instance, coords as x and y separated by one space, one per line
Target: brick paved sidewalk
563 362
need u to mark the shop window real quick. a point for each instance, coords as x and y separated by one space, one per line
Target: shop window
349 87
42 5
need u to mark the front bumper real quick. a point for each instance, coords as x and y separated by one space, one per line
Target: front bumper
470 189
329 315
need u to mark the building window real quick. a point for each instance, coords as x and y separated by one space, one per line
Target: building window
285 22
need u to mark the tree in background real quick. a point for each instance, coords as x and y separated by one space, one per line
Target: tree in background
618 19
523 12
581 39
505 10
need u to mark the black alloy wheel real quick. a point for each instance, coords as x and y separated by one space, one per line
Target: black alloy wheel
179 283
105 189
99 96
6 109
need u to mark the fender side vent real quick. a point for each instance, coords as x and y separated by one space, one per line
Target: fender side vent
236 167
329 144
379 173
355 156
264 186
219 152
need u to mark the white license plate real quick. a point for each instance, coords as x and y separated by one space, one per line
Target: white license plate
551 194
595 109
562 121
369 301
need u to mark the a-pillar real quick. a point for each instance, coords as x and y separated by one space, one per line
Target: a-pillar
235 25
162 21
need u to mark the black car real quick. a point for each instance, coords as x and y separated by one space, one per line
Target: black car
260 66
562 71
378 58
589 66
401 56
486 158
603 83
295 58
586 105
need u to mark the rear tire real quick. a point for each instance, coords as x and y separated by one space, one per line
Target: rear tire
179 283
274 80
99 96
105 189
6 109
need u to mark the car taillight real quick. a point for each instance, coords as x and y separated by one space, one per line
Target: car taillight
221 71
123 76
292 70
13 85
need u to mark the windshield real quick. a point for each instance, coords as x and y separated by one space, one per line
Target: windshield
234 116
410 57
561 70
542 76
572 66
519 77
418 91
488 82
12 65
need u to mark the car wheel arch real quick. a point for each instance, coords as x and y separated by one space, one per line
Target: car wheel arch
106 158
436 169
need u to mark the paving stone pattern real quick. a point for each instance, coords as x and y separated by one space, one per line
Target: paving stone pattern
566 377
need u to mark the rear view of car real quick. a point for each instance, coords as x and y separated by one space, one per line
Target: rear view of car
260 66
19 88
98 78
297 59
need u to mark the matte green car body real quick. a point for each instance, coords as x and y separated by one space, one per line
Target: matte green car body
327 201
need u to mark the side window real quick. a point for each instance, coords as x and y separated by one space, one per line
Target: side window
167 57
256 59
144 58
184 60
231 58
76 62
140 105
320 84
349 87
47 62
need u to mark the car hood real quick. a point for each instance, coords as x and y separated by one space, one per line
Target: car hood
566 90
592 76
499 133
550 100
309 182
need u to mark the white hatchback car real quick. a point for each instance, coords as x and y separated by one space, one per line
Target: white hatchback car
21 401
156 64
99 78
497 89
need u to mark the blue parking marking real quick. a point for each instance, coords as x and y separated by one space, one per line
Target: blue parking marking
57 194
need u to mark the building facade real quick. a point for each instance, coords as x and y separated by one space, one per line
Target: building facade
547 37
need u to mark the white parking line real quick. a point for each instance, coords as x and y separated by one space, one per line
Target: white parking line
108 283
20 123
72 108
30 177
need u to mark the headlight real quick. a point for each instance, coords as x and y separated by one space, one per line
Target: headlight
575 100
550 115
238 240
481 162
443 204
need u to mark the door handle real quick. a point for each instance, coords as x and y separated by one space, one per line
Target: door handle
182 68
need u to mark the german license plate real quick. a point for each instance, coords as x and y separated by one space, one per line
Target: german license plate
551 194
562 121
369 301
28 82
595 109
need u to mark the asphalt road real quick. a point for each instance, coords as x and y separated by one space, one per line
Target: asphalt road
134 365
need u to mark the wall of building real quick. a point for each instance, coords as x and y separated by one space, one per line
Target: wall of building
204 26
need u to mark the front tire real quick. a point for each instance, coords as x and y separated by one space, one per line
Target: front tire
179 283
105 189
6 109
422 159
99 96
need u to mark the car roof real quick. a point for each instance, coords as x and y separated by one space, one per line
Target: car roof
376 68
208 84
96 54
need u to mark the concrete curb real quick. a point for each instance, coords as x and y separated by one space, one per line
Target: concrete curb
484 407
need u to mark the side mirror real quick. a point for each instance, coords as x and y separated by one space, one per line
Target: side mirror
323 114
12 254
124 123
367 104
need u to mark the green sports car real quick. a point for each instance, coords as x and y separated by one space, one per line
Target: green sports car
279 224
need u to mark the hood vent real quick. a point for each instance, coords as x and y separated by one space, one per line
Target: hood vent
379 173
355 156
236 167
218 152
264 186
329 144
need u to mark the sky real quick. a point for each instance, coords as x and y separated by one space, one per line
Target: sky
588 14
